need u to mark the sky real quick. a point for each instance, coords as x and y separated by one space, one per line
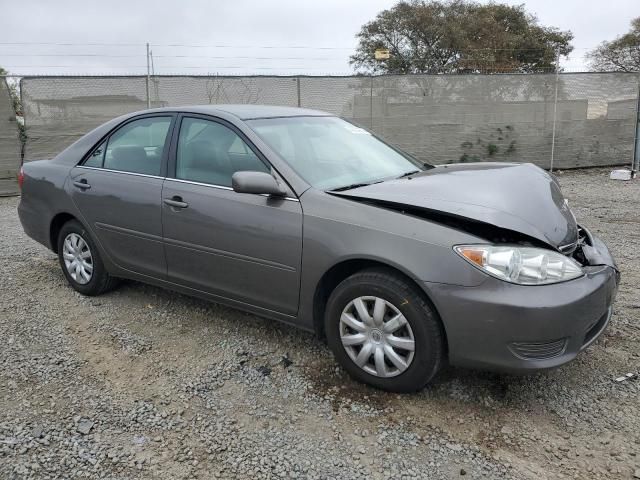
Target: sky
237 37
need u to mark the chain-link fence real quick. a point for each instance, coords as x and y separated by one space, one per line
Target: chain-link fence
9 142
591 117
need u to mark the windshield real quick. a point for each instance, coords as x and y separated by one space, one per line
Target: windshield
330 153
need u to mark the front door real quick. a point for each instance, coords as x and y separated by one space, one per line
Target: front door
118 190
243 247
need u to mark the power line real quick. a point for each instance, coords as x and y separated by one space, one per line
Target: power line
75 44
244 57
67 55
283 47
210 67
108 55
308 47
99 55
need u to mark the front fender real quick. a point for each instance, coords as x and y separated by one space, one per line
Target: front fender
419 248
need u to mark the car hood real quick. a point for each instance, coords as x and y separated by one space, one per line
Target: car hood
518 197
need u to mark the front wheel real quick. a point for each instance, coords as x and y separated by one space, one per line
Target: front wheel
81 262
383 331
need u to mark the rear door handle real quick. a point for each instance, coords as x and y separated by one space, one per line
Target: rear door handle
81 184
176 202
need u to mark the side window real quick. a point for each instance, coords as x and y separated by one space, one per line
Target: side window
96 158
210 152
138 146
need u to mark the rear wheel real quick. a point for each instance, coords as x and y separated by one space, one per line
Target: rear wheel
81 262
383 331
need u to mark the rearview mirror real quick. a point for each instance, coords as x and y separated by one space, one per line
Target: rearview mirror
256 182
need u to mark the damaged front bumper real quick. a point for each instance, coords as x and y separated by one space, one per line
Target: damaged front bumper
518 328
592 251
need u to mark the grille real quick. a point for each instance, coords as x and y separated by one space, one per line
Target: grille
538 350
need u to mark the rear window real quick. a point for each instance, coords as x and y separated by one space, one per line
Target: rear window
136 147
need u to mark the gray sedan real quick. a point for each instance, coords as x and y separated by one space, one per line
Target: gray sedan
302 217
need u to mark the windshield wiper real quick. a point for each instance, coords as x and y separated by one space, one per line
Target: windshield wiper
413 172
353 185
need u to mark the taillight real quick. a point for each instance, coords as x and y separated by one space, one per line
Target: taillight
21 177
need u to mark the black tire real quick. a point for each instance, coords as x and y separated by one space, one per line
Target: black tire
425 324
100 281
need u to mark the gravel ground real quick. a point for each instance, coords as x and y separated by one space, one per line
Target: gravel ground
146 383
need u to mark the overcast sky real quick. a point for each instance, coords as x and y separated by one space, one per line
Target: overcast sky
268 34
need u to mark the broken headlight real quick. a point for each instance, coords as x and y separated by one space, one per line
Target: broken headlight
521 265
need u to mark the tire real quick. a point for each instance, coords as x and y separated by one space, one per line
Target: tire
409 371
99 280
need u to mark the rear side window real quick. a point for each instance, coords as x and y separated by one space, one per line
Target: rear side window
210 152
97 157
137 147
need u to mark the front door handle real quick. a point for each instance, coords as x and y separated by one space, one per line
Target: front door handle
82 184
176 202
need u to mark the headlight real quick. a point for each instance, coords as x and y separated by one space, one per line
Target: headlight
521 265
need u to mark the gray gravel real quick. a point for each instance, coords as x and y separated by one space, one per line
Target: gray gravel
146 383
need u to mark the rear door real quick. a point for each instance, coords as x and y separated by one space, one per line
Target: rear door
118 190
239 246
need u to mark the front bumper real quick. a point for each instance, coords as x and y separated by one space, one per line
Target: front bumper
516 328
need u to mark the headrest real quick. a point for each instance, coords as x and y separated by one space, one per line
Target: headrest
128 153
132 158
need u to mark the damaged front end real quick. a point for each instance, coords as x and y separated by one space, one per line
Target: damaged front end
516 204
586 250
591 251
549 283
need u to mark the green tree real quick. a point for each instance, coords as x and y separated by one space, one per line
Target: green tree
459 36
619 55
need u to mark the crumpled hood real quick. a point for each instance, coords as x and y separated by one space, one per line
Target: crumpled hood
518 197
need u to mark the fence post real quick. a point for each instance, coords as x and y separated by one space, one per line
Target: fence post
635 161
555 110
371 103
23 136
148 79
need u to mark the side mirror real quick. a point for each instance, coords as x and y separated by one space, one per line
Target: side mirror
256 182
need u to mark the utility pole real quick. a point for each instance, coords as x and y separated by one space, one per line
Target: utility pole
555 110
148 78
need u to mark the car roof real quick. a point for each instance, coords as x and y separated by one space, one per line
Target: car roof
248 111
